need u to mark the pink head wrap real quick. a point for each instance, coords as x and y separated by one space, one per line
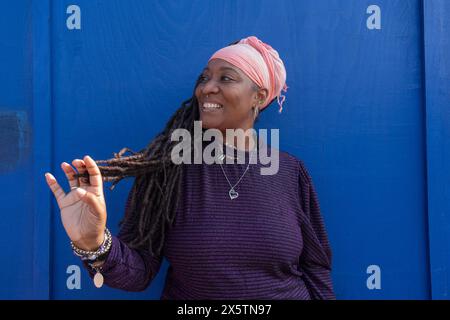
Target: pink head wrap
261 63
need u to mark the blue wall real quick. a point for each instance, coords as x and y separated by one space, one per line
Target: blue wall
366 111
437 75
16 162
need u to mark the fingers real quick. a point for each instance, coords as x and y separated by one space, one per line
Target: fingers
95 177
81 168
69 171
56 189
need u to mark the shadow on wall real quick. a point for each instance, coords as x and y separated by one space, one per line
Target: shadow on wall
15 134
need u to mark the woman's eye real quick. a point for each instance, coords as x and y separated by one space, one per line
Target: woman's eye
205 78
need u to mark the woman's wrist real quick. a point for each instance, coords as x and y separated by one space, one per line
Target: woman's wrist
88 245
93 255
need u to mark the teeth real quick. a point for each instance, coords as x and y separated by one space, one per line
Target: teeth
211 106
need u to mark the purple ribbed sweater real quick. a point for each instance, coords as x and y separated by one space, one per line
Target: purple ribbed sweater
269 243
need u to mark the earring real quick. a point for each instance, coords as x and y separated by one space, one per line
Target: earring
256 111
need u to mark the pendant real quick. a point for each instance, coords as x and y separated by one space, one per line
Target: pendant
233 194
98 280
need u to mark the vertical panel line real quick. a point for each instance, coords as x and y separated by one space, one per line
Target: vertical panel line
425 131
42 150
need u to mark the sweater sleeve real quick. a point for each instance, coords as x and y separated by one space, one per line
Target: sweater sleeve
315 259
126 268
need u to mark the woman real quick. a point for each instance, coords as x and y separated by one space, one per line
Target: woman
227 231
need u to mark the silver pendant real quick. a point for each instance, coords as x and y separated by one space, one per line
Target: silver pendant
233 194
98 280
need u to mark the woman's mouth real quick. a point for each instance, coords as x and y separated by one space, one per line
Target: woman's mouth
211 107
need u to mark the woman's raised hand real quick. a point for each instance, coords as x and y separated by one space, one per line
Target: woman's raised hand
83 208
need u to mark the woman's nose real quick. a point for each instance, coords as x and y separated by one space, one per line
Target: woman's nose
210 87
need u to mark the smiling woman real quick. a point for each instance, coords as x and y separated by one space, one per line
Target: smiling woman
228 232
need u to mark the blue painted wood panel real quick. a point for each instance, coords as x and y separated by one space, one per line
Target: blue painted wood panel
437 58
16 165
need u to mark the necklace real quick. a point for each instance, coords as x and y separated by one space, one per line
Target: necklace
235 148
232 192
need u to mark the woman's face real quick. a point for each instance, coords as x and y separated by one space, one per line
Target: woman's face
226 97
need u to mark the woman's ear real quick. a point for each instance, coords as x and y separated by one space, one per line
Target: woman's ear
261 96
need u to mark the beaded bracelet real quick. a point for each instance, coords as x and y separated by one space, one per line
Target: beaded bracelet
93 255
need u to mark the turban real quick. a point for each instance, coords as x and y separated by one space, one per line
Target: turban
261 63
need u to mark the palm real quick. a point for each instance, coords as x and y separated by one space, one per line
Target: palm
79 219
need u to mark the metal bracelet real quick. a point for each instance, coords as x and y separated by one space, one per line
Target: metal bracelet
92 255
